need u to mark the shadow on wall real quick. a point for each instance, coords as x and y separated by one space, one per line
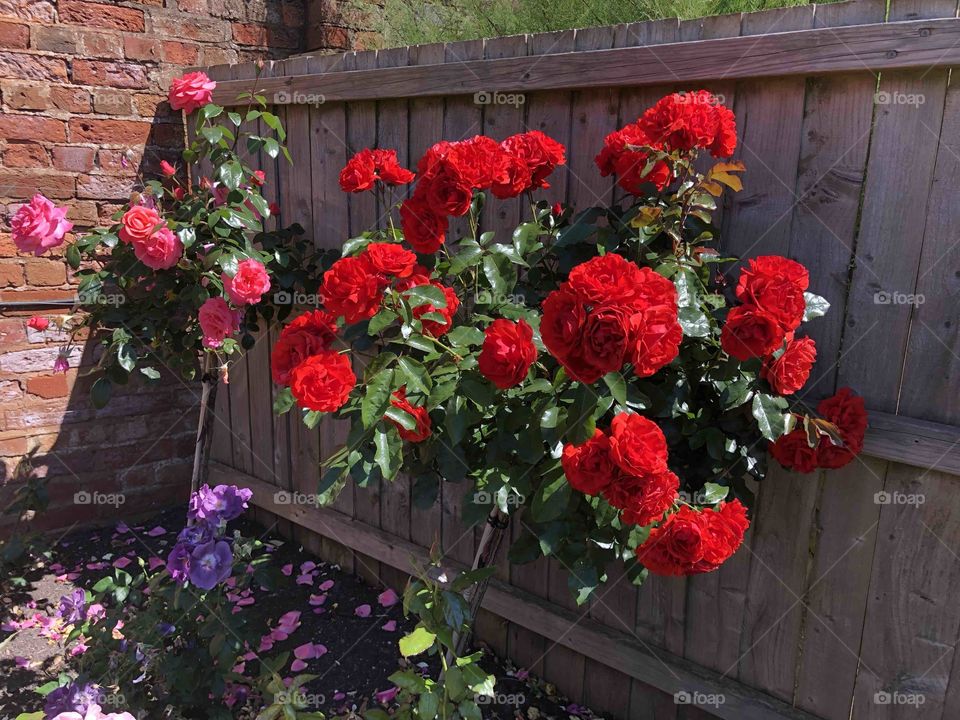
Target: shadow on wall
130 458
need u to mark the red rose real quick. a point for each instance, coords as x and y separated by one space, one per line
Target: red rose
351 289
789 372
655 336
323 381
622 157
637 445
446 191
603 345
479 160
775 285
248 284
507 353
513 178
562 322
589 467
139 223
846 411
750 332
310 334
388 168
690 541
793 452
689 120
540 153
390 259
423 228
422 431
360 172
38 323
608 278
651 500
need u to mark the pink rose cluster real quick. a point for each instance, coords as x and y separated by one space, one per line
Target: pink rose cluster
191 91
39 225
218 320
154 244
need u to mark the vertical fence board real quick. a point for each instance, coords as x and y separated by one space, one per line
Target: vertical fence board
836 595
361 124
893 209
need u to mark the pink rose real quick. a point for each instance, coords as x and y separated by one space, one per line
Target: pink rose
191 91
39 225
167 169
218 321
160 251
249 284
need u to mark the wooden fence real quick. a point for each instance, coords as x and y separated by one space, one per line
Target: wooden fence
843 602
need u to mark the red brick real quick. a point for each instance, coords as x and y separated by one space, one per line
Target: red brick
22 66
25 183
48 386
14 36
193 6
28 10
32 127
25 155
54 38
103 187
75 159
152 105
101 15
12 331
101 44
249 34
12 447
327 36
120 162
38 359
11 274
218 55
46 273
138 47
83 213
71 99
180 53
112 102
113 132
7 250
113 74
174 27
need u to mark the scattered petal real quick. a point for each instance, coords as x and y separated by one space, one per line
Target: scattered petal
362 611
390 626
387 598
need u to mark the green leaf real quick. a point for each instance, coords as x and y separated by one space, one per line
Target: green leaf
816 306
127 357
73 256
377 397
426 295
312 418
617 385
500 273
100 392
420 640
551 499
463 335
388 454
694 322
284 401
469 256
769 413
231 174
151 373
581 424
405 419
713 493
428 706
415 375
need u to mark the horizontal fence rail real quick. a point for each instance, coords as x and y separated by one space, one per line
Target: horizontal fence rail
872 48
841 604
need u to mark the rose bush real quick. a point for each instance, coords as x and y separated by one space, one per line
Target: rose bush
601 369
190 267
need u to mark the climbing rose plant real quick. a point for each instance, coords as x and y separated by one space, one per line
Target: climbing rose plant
608 371
190 264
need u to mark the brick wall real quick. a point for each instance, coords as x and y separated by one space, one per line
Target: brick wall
82 110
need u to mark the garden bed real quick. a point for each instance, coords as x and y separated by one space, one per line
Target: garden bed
356 624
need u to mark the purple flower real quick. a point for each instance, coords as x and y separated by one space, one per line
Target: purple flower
178 561
75 697
196 534
73 607
210 564
222 503
62 363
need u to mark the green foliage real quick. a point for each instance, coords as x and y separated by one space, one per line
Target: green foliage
408 22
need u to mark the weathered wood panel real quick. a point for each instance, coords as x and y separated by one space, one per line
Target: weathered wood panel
838 594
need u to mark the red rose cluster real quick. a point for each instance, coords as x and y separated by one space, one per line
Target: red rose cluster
608 312
320 379
693 541
771 289
449 172
368 166
846 411
507 353
353 287
680 122
628 467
